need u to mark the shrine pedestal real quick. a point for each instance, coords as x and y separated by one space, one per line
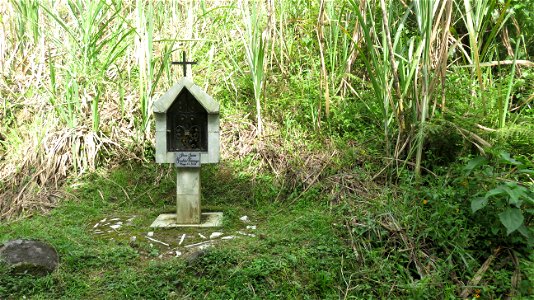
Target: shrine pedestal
207 219
188 195
188 204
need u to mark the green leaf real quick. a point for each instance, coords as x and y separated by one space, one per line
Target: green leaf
515 193
506 157
475 162
524 231
478 203
511 218
496 191
526 171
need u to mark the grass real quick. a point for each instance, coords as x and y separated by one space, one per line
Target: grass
393 243
409 90
296 250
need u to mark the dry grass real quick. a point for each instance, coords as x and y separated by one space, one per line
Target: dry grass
78 79
295 165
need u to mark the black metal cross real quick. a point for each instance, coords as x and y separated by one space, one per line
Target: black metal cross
184 63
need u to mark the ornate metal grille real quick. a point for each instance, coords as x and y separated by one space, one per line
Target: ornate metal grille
187 124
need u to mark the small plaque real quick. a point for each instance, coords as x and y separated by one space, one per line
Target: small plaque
188 159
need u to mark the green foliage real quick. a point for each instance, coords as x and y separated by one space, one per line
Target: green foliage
500 188
297 252
95 67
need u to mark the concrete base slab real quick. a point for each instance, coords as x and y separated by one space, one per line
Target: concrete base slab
208 219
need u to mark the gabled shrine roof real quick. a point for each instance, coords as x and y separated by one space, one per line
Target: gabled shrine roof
164 102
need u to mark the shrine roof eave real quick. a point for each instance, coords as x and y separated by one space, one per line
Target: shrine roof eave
165 101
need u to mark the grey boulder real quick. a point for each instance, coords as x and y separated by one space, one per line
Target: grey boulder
29 257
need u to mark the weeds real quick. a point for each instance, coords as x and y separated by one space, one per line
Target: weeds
409 89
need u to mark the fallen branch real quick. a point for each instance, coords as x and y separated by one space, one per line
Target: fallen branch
478 276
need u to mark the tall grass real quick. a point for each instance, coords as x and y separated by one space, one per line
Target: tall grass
479 18
255 43
144 49
333 24
401 66
92 36
503 111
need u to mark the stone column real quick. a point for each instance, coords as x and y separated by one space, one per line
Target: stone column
188 195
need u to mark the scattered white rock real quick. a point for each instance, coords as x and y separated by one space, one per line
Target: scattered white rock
178 253
156 241
98 232
120 223
206 246
96 225
202 236
103 220
253 227
133 239
116 226
130 219
228 237
115 219
151 233
182 239
198 244
215 235
246 234
244 219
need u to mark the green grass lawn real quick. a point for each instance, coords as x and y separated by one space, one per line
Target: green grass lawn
303 246
296 251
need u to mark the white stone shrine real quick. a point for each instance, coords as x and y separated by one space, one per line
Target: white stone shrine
187 135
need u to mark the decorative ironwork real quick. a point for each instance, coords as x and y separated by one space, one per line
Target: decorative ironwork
187 124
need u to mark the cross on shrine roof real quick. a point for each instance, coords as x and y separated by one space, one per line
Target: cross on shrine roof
184 63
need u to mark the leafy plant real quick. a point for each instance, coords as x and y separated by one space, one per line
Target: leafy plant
505 192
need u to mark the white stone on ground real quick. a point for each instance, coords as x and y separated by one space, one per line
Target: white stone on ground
246 234
244 219
215 235
229 237
158 241
253 227
199 244
182 239
150 233
205 246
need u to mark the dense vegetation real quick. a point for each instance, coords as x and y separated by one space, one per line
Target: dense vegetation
385 148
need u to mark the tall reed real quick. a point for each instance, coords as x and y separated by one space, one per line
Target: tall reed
479 18
400 68
144 49
255 44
